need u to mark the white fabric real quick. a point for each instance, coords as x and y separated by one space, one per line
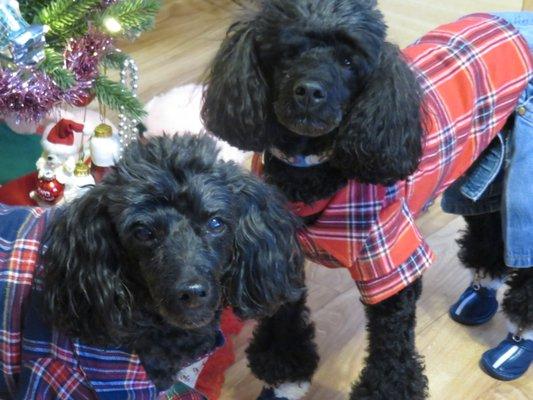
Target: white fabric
190 375
178 111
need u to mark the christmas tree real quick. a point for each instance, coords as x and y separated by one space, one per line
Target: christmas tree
58 52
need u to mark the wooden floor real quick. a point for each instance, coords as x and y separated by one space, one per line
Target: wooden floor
187 34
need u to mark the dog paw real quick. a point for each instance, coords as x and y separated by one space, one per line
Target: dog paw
285 391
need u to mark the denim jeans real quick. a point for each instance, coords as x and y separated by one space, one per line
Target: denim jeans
502 178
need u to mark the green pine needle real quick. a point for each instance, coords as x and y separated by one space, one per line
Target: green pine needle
53 65
29 9
71 19
67 17
115 60
114 95
133 15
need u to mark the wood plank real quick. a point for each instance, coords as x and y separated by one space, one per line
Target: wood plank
408 19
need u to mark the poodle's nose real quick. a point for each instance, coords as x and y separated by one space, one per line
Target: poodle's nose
192 295
309 93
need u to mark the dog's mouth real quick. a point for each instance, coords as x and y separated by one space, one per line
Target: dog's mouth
307 124
188 320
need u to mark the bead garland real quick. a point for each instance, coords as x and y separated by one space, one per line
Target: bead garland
127 127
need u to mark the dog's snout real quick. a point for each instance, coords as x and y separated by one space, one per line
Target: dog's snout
309 93
192 295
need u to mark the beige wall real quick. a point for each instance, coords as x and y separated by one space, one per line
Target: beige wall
528 5
409 19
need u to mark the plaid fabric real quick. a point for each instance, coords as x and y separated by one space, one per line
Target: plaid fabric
472 72
37 362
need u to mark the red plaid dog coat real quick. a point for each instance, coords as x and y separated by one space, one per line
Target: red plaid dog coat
38 362
472 73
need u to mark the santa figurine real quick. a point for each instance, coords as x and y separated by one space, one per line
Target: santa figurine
62 143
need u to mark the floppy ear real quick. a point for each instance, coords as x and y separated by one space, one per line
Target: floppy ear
268 264
235 98
83 287
381 140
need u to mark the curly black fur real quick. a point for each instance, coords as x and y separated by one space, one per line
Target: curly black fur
393 370
372 115
481 245
148 258
283 349
518 300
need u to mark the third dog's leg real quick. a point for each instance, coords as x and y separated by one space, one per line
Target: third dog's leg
283 353
518 303
481 247
393 369
481 251
513 356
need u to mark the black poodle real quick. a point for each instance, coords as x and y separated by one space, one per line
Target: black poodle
337 111
147 259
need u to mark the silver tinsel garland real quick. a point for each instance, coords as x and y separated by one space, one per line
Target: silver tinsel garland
127 127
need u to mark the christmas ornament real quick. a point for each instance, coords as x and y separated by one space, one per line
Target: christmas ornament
127 127
81 182
62 143
25 42
83 100
105 148
49 189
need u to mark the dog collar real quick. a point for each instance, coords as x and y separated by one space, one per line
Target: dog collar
299 160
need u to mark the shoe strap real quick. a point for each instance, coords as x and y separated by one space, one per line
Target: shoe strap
517 336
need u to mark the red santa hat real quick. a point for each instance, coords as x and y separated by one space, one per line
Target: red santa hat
64 137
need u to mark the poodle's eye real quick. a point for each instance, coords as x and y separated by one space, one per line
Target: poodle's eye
143 234
347 61
215 225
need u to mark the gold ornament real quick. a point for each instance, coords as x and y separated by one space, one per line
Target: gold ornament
81 169
103 131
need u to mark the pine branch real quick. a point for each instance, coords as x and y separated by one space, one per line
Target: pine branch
29 9
67 17
114 60
53 66
133 15
114 95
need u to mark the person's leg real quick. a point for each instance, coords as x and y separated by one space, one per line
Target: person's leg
481 251
513 356
517 206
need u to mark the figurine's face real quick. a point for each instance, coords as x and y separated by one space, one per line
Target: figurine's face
54 160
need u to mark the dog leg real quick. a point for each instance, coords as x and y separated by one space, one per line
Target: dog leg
481 247
481 251
393 369
283 353
518 300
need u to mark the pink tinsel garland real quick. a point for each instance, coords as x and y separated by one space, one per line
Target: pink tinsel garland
30 95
